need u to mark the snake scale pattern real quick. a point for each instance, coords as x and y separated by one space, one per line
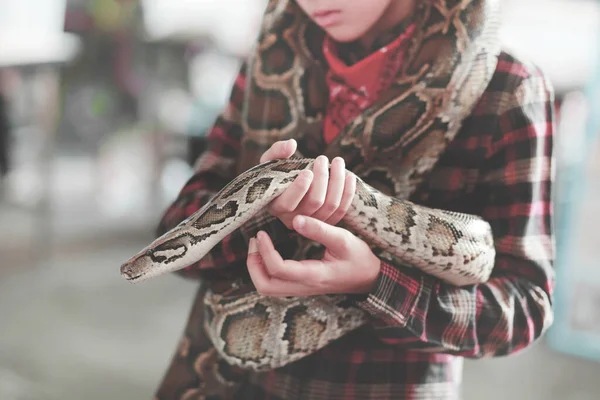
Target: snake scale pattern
449 64
257 332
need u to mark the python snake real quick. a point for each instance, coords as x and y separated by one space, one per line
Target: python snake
258 332
391 145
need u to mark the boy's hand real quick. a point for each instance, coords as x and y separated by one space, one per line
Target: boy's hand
348 266
318 193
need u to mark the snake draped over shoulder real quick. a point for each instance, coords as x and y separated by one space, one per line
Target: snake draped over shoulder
390 147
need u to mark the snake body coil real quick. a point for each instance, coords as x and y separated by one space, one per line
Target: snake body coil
396 142
258 332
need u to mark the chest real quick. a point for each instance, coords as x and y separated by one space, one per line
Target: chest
456 182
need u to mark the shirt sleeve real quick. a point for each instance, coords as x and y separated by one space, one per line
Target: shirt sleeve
216 167
514 307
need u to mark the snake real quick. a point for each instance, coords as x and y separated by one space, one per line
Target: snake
258 332
450 61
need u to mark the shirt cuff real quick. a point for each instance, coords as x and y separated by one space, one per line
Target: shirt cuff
394 296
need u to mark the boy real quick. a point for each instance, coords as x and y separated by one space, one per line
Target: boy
364 84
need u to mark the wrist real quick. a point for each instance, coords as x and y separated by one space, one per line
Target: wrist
372 273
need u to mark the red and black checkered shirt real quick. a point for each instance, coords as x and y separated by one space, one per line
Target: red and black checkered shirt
500 166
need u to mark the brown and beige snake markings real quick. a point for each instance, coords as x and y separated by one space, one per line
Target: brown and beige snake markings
390 147
258 332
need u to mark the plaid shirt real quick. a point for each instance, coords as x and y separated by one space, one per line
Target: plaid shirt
501 167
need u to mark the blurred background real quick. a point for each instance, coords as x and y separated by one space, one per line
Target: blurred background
104 105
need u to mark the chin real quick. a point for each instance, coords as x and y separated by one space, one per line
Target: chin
344 34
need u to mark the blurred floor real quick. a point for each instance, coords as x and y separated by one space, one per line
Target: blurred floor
73 329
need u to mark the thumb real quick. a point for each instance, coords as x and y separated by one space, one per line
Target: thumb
279 150
336 239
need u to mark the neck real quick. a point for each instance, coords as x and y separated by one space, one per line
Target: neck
397 11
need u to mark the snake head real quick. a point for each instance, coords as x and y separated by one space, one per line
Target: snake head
134 268
166 254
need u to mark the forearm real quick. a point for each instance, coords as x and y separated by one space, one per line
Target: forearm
499 317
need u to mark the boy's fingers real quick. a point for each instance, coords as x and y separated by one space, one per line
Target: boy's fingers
291 197
315 197
346 202
336 239
335 190
281 149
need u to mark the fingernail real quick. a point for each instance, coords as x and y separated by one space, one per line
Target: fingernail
258 235
288 144
252 246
